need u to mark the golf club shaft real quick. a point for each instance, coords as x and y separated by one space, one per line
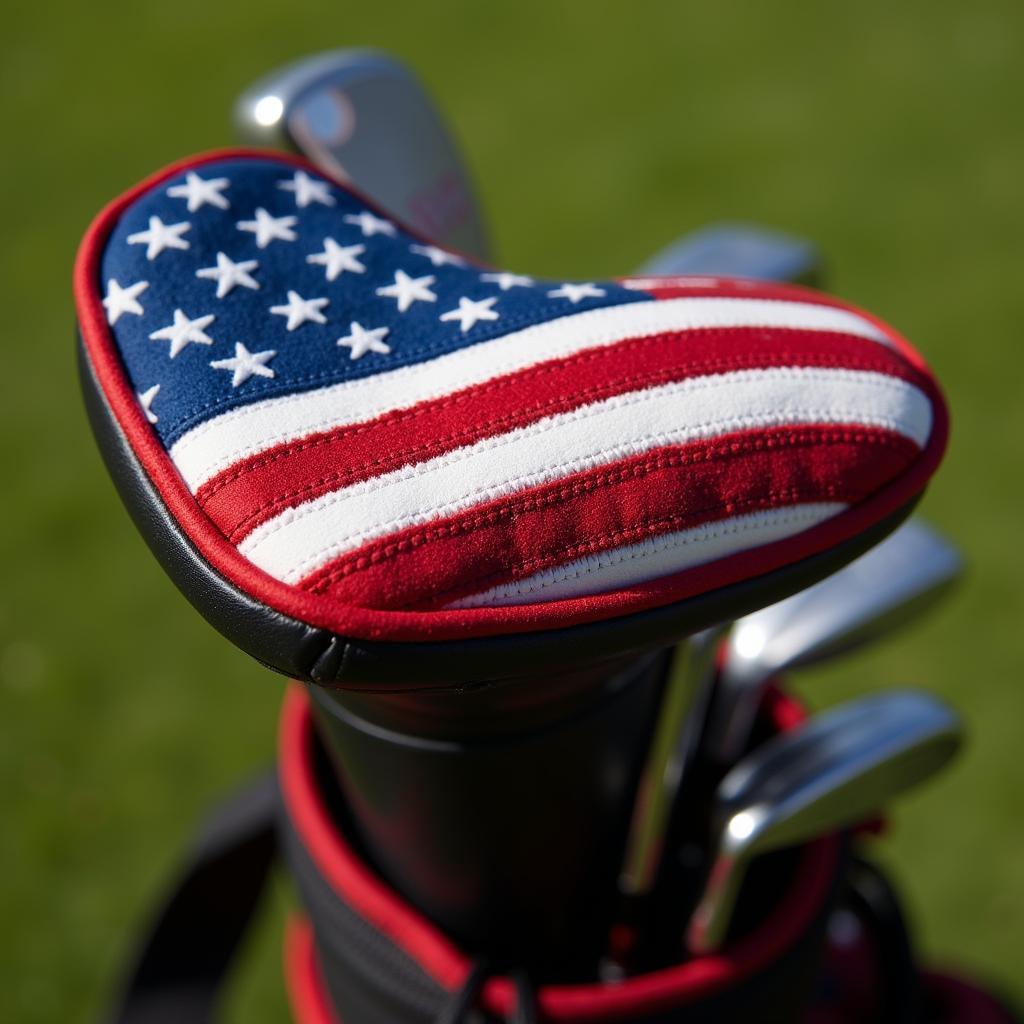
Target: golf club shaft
671 751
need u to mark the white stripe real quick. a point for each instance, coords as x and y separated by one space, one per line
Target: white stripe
656 556
301 539
214 445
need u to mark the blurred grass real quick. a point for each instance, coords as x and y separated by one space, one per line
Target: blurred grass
890 134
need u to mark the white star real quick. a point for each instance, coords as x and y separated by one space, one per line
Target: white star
575 292
267 228
371 225
469 312
307 190
338 258
184 331
439 257
506 280
160 236
146 401
362 341
123 300
228 274
246 364
299 310
406 290
201 190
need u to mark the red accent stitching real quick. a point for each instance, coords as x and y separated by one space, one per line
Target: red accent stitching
319 583
404 456
793 496
694 367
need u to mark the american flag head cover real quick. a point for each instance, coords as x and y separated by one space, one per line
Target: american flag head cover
373 435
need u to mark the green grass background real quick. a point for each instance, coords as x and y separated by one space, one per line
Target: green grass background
890 133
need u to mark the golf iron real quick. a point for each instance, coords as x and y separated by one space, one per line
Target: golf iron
362 116
874 594
739 250
830 773
734 251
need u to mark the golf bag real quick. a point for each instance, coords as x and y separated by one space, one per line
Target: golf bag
831 945
483 517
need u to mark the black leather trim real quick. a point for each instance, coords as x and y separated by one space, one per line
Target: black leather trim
317 655
278 641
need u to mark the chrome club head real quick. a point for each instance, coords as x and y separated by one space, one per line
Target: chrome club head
872 595
830 773
362 116
739 250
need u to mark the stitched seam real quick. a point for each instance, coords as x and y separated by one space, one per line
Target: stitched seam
617 556
536 478
428 406
397 458
416 370
455 530
383 550
726 425
790 496
404 456
438 348
338 546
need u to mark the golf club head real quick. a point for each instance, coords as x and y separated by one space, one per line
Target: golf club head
830 773
876 593
362 116
738 250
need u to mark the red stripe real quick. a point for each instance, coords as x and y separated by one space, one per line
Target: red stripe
259 488
668 489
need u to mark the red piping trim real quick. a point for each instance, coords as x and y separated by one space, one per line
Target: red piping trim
324 612
307 994
438 957
346 873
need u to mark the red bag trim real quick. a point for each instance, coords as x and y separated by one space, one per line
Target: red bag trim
361 889
376 624
303 984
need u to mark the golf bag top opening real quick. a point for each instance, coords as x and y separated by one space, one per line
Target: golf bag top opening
413 962
369 461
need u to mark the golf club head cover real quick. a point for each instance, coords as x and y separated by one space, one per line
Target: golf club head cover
360 454
362 954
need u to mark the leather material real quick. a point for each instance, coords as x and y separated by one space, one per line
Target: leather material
279 642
